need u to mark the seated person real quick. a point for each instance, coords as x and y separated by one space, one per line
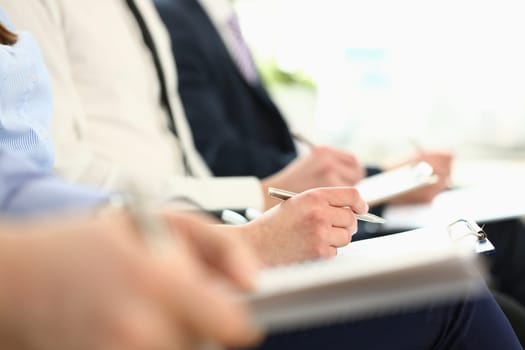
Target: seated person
226 104
113 293
68 257
231 113
106 107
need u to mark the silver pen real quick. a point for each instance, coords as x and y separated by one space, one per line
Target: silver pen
284 195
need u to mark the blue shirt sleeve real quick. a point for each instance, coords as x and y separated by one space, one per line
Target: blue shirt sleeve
25 99
26 190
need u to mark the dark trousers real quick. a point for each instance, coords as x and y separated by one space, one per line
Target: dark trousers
507 263
476 324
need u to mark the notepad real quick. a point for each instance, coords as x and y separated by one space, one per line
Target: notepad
368 277
390 184
482 203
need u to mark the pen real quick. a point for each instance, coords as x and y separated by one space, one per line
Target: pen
284 195
157 237
299 137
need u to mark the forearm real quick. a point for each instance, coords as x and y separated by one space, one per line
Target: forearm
255 236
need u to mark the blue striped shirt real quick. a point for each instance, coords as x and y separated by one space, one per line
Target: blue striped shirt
26 104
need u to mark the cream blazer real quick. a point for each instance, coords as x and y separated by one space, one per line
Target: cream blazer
109 128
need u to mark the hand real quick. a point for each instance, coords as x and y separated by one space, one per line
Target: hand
93 285
308 226
442 164
224 253
323 167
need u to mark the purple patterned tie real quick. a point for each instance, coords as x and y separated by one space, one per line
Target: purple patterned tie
241 53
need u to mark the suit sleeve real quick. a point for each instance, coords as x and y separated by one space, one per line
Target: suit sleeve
226 151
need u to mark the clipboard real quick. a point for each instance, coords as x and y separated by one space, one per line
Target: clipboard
388 185
371 277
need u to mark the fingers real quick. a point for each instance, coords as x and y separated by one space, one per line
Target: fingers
345 197
228 254
339 237
208 308
440 161
232 256
346 176
345 157
214 314
342 217
142 326
342 168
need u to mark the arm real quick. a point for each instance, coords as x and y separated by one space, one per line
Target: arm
91 284
26 190
226 150
309 226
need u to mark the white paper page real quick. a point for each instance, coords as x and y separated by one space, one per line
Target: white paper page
380 188
367 277
480 203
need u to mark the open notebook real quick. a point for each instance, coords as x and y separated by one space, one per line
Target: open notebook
380 188
377 275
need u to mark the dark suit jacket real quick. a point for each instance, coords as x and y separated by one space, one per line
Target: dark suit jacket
237 128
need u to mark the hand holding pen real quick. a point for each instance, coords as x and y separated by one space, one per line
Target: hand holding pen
285 195
307 226
323 166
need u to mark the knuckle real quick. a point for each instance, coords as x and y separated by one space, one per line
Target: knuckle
327 167
314 197
353 192
315 217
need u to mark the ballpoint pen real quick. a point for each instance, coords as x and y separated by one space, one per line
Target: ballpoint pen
284 195
301 138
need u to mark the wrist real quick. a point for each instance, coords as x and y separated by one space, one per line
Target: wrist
249 232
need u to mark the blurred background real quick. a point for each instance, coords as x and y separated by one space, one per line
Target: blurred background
377 77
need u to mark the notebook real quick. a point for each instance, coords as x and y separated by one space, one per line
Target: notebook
368 277
385 186
482 203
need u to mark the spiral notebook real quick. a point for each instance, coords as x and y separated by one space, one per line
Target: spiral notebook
368 277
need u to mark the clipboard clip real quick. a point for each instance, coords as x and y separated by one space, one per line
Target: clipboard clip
472 229
462 228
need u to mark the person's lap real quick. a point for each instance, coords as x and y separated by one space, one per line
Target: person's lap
477 324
